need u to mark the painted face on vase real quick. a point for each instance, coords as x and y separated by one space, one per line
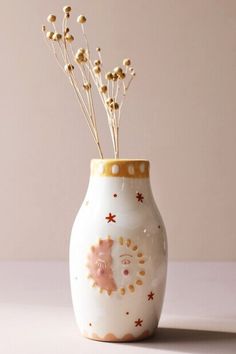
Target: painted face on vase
116 265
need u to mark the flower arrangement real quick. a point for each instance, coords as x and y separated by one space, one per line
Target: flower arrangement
87 75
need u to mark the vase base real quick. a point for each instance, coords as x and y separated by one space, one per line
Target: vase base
110 337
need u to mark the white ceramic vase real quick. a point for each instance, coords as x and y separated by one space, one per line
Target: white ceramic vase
118 254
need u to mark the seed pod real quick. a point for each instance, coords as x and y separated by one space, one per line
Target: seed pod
114 77
87 86
133 73
69 67
127 62
81 50
69 38
66 9
98 49
97 62
109 101
56 36
117 70
109 76
67 30
80 58
51 18
103 89
49 35
121 76
114 106
96 69
81 19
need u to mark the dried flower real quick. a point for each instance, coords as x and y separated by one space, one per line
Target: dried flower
117 70
69 38
91 74
127 62
56 36
81 19
114 106
109 101
114 77
96 69
109 76
132 72
66 9
97 62
103 89
87 86
80 56
81 50
49 35
121 76
69 67
51 18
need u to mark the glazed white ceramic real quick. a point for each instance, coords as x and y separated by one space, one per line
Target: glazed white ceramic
118 254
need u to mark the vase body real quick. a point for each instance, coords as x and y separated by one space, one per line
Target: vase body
118 254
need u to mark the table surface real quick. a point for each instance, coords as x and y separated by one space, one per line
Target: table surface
36 316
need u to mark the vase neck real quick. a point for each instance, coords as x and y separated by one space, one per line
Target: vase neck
120 168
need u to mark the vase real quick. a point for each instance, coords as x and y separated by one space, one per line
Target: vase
118 254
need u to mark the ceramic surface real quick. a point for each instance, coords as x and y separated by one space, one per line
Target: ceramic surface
118 254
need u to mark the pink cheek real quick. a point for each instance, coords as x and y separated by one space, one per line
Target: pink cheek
126 272
100 272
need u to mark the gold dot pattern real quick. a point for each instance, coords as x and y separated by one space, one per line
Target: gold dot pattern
120 168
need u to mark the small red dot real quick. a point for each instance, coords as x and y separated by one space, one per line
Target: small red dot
126 272
115 195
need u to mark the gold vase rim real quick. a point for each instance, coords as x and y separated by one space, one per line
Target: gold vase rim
130 168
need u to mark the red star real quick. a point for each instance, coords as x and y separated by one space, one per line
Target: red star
150 296
111 218
138 323
140 197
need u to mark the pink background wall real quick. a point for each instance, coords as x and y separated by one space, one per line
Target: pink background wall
180 114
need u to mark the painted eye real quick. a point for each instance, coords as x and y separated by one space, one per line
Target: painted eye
125 261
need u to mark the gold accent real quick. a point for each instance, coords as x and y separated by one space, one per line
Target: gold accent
122 291
142 272
139 282
139 254
131 288
142 261
120 168
110 337
128 242
135 247
121 240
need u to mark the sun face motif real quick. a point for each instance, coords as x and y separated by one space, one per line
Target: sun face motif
116 265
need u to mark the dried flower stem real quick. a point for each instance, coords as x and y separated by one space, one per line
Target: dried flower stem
111 91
